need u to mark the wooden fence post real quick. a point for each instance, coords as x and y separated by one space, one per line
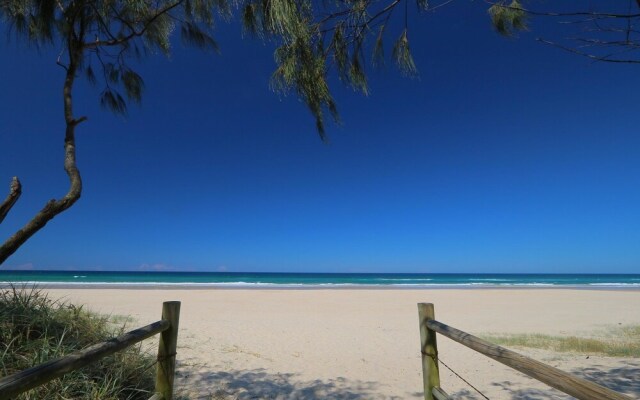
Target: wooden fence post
429 349
165 370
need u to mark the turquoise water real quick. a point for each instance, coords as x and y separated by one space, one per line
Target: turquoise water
317 279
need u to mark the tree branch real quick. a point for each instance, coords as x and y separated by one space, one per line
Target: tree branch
15 190
595 14
588 55
134 33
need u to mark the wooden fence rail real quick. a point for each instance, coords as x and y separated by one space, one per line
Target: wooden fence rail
579 388
167 327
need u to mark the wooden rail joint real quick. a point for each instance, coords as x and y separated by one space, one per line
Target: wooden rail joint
440 394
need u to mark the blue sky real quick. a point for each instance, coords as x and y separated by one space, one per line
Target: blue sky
506 155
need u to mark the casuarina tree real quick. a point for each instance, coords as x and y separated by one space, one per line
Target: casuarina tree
97 40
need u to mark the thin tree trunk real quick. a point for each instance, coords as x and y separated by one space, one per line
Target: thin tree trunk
55 207
15 190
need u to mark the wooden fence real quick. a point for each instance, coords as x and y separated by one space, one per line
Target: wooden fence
577 387
167 327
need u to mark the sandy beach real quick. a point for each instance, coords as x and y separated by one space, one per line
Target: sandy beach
364 344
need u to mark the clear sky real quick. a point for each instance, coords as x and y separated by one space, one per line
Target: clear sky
504 156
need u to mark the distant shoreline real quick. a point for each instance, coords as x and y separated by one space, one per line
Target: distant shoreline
222 286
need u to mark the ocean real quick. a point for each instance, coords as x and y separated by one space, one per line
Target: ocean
315 280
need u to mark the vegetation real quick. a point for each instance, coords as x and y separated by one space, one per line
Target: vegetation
619 342
35 329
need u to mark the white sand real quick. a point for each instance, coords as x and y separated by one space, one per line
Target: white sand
364 344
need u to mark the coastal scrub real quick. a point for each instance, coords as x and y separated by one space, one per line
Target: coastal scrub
35 329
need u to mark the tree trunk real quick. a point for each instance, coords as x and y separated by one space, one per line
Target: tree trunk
55 207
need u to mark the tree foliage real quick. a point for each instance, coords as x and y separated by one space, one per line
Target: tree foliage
312 36
508 18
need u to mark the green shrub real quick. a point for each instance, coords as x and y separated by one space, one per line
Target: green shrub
35 329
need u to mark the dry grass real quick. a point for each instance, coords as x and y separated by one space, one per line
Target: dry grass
616 342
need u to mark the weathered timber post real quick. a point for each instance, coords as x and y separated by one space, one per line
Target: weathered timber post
429 349
165 370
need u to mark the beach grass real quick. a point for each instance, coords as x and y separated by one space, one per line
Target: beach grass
35 329
623 341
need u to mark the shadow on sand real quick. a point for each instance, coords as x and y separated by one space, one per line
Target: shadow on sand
261 384
625 379
258 384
